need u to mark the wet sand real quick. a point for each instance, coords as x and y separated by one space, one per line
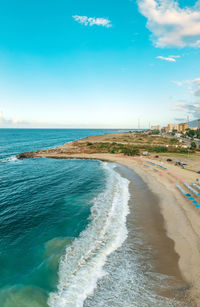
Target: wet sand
146 213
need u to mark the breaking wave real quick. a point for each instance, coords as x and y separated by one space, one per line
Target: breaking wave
82 265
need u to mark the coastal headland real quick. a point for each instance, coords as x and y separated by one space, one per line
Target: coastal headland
154 159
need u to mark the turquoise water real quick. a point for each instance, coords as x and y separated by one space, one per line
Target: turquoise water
44 207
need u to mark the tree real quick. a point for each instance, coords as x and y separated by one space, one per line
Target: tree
155 131
198 133
193 145
191 133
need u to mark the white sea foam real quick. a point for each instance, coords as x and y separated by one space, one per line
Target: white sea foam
83 262
10 159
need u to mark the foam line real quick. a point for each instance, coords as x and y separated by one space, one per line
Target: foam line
82 265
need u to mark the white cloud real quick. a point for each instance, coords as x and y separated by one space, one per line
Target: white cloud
196 90
171 25
13 122
91 21
169 59
179 83
193 109
194 87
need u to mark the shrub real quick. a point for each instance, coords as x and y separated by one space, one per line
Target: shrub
183 150
193 145
89 143
160 149
102 146
130 151
173 141
112 151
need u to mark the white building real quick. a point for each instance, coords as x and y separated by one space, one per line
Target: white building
172 127
157 127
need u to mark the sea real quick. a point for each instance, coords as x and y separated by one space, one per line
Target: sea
63 229
58 220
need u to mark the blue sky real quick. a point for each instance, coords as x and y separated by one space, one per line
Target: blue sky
95 64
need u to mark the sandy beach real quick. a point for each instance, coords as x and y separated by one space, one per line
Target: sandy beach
181 218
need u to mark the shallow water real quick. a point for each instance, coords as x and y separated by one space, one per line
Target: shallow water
44 205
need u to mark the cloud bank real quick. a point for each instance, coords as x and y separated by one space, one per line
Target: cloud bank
194 89
91 21
194 86
11 123
192 109
171 26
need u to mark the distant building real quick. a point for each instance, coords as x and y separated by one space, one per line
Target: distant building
198 124
182 127
157 127
172 127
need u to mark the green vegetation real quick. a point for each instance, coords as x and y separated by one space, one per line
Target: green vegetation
173 141
154 132
193 133
160 149
183 150
132 150
193 145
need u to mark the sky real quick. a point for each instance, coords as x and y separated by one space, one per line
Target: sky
99 64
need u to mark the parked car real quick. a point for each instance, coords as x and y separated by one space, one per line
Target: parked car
169 160
183 163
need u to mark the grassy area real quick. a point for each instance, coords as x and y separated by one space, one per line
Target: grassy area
141 138
128 148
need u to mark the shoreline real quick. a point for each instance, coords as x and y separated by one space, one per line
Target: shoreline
181 222
181 218
147 219
138 272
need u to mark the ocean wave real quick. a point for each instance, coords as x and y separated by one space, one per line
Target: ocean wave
10 159
82 265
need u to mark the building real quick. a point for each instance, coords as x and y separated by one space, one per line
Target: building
172 127
157 127
198 124
182 127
